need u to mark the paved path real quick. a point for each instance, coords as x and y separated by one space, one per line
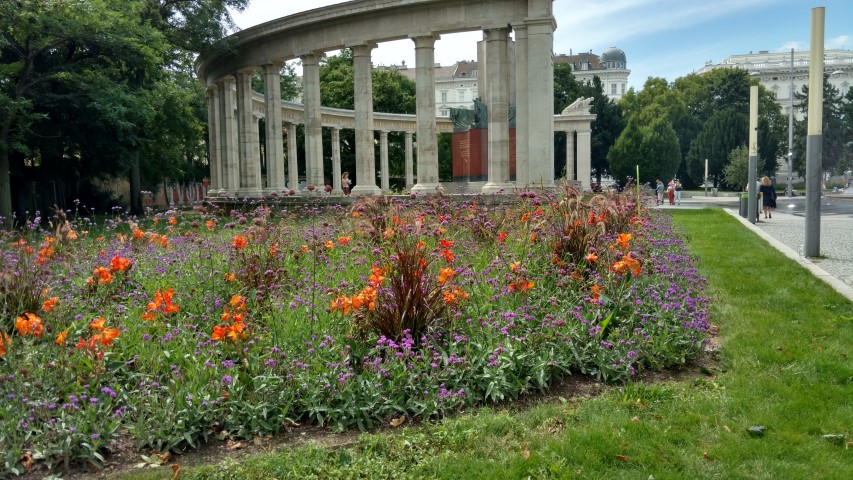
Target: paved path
786 232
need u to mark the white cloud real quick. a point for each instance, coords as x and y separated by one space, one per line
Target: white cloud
840 41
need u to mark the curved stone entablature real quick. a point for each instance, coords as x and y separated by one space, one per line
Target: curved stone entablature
363 22
234 110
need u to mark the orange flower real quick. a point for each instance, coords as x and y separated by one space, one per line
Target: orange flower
521 286
237 302
210 224
29 324
623 240
448 255
273 251
48 304
218 333
98 323
71 235
525 218
502 237
103 275
239 242
344 240
329 244
230 277
596 291
377 276
344 304
108 335
173 221
591 258
445 275
60 338
627 264
162 303
303 249
119 264
5 343
355 214
388 233
138 234
446 243
514 266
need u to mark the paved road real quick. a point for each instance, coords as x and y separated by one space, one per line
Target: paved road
786 232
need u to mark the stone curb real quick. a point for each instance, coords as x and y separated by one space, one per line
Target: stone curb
839 286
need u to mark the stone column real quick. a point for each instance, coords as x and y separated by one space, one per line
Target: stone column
256 149
250 169
427 131
365 157
585 158
570 155
292 159
383 161
410 161
229 138
274 134
540 90
336 161
214 146
522 127
313 120
497 99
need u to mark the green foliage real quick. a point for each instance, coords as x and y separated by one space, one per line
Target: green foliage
736 171
836 150
648 142
723 132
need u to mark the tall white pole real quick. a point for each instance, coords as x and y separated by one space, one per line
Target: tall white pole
814 141
789 189
752 214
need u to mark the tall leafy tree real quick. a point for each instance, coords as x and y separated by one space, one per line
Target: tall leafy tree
648 142
724 131
837 147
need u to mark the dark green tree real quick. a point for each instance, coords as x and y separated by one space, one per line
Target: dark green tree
724 131
648 142
837 148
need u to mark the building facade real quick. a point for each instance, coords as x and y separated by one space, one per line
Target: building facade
611 67
775 70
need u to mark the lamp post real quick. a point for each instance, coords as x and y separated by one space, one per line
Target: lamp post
789 188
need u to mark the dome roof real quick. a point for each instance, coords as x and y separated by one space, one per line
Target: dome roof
613 54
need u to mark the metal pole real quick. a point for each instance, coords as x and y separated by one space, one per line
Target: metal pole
814 141
789 189
752 204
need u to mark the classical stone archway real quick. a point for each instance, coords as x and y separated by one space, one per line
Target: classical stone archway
361 25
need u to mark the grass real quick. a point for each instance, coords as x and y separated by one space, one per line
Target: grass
784 339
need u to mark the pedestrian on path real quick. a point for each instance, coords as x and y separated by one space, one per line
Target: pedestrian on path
670 192
678 189
659 189
768 197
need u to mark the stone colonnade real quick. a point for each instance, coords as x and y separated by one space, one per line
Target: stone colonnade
235 153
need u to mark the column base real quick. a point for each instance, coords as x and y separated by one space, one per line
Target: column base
365 190
499 188
274 190
337 191
249 192
427 188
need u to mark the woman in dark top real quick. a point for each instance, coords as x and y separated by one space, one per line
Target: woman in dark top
768 196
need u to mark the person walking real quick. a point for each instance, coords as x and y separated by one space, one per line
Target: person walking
345 183
670 192
659 189
768 197
678 189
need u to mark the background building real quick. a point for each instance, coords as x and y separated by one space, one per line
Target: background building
774 70
611 67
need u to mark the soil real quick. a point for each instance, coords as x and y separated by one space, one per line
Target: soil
125 459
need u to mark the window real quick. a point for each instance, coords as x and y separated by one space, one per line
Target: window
460 95
613 89
444 113
623 89
443 97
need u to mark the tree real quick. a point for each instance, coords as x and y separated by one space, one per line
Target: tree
736 172
648 142
837 148
724 131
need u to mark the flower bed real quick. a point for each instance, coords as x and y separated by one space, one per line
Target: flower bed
192 325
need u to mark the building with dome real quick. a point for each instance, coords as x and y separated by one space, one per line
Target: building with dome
611 67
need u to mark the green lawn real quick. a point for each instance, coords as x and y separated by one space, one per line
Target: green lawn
782 363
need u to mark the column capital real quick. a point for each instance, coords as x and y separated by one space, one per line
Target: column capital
246 71
425 40
362 49
312 58
227 80
496 34
275 62
541 21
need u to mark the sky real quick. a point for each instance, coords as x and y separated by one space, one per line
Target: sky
660 38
